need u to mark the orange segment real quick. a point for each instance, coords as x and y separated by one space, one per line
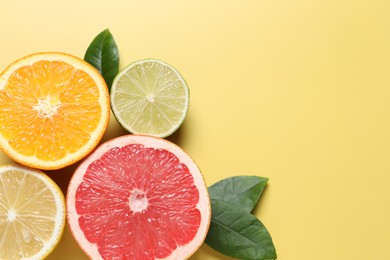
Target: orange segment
54 109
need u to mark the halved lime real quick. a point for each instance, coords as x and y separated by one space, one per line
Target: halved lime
150 97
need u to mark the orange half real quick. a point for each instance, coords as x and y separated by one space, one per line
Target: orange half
54 110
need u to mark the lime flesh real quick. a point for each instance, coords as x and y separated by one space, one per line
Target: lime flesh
150 97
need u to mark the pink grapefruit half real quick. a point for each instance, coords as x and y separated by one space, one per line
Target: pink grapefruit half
138 197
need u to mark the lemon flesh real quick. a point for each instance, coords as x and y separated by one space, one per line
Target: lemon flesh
32 213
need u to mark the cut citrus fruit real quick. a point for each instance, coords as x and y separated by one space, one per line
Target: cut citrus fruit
54 109
32 213
138 197
150 97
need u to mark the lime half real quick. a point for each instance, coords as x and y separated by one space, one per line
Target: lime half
150 97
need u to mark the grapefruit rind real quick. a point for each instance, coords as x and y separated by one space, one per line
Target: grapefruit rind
96 135
182 252
52 243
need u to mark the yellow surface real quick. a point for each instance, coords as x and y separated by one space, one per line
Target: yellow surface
297 91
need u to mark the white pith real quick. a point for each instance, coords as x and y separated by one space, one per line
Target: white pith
138 201
11 215
150 98
46 108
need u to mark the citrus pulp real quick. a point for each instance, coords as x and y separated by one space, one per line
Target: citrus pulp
138 197
54 109
150 97
32 213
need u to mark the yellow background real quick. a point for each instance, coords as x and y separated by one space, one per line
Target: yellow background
297 91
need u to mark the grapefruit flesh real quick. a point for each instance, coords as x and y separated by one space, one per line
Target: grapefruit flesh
138 197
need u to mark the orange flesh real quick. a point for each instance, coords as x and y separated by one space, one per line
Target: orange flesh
48 109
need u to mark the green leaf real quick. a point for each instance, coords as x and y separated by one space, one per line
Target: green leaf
243 191
103 54
235 232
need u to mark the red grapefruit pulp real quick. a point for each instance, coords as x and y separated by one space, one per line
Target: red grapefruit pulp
138 197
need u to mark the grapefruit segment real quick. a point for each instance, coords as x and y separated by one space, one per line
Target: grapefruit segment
138 197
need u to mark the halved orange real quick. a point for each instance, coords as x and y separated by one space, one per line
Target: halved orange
54 109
